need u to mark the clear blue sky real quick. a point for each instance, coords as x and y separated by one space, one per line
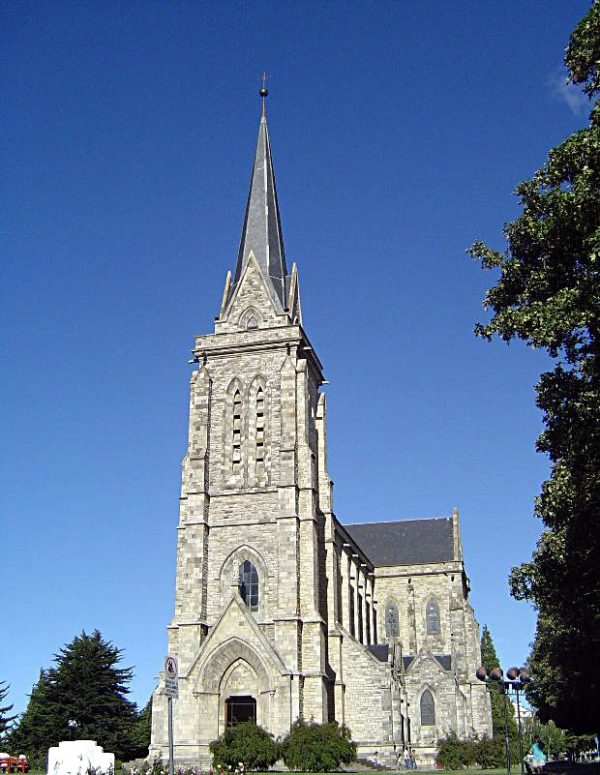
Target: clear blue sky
399 130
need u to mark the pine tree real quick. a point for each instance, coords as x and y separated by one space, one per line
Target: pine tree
34 728
142 730
86 687
501 708
5 719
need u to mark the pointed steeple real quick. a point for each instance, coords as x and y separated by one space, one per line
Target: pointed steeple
261 233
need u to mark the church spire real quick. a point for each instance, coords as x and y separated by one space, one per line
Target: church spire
261 233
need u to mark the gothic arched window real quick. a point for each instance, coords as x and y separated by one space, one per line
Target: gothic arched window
236 457
427 709
391 621
248 582
433 618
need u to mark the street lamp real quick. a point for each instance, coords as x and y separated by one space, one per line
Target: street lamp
518 678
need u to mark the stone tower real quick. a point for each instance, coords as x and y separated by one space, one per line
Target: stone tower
281 611
249 628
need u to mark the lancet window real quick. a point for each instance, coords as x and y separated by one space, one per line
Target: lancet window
427 709
260 432
237 432
392 629
432 616
248 584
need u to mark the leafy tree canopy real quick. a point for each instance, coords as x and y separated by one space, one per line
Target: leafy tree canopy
82 697
548 295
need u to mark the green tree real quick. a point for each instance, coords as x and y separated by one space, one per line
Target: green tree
311 747
553 737
31 732
87 687
247 743
502 710
548 295
142 729
5 719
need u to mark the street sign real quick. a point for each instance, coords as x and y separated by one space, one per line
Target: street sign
171 677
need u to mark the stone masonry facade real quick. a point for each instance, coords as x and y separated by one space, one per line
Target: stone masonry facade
279 607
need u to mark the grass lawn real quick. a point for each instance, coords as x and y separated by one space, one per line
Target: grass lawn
555 768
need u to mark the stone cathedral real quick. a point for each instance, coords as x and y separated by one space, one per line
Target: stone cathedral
281 611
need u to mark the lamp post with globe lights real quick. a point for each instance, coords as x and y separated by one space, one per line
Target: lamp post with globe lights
517 679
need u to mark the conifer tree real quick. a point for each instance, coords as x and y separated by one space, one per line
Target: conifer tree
33 729
500 708
142 730
87 688
5 719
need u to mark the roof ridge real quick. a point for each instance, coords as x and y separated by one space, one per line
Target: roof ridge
397 521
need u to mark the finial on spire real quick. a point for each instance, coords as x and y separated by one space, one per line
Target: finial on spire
264 93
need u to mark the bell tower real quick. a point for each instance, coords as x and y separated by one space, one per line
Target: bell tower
255 496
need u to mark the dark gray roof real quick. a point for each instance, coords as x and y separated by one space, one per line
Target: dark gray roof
379 651
445 660
410 542
261 232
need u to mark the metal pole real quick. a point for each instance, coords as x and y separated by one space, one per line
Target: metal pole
170 725
516 688
506 737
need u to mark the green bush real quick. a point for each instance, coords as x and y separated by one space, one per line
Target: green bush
454 754
449 753
317 747
491 752
247 743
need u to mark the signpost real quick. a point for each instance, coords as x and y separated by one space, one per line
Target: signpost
171 690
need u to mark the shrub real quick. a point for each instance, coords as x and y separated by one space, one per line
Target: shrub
491 752
448 754
317 747
247 743
454 754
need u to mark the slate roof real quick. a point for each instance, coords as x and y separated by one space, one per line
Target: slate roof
379 651
444 660
410 542
262 232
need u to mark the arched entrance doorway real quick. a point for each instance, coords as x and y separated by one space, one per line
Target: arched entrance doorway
240 710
